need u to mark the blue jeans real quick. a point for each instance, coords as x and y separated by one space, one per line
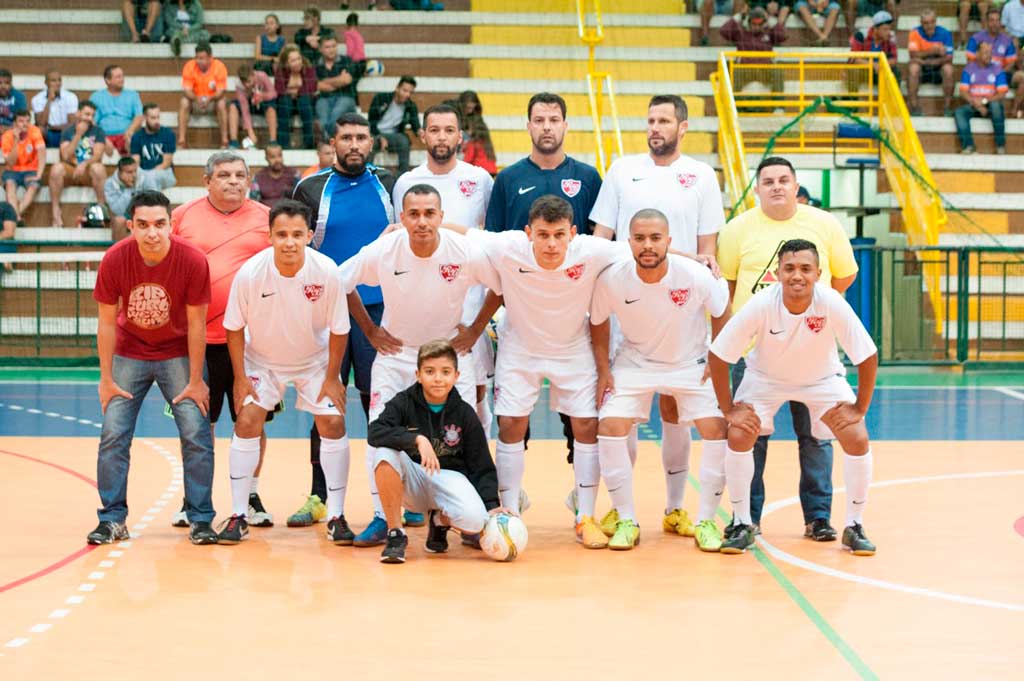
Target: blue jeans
815 463
136 377
286 106
328 109
964 114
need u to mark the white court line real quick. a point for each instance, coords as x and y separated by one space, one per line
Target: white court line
781 555
1011 393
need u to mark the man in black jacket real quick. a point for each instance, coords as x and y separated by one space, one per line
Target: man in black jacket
432 456
390 114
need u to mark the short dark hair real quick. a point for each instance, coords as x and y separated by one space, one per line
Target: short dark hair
551 209
352 118
87 104
434 349
4 73
22 112
244 71
352 19
797 245
406 79
204 46
994 10
290 208
148 106
126 161
328 34
421 189
773 161
545 98
109 71
146 198
442 109
311 11
677 102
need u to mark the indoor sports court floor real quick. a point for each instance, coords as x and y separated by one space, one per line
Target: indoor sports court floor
942 599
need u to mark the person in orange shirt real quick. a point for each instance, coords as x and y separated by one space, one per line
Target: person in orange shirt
325 156
931 61
24 151
204 81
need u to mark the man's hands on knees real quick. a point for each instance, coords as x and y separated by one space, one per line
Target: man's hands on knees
241 390
743 416
333 389
605 387
108 390
428 458
198 392
842 416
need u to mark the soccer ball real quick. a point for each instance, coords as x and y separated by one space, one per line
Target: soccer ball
374 67
504 537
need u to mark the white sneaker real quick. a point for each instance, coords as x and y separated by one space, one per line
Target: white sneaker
258 516
572 503
179 519
247 143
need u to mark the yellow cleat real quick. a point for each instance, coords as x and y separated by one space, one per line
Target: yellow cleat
708 536
627 535
677 522
590 535
609 522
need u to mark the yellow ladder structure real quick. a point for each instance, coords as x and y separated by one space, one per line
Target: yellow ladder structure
600 86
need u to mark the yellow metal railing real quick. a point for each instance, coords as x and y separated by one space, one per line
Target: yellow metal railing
730 141
600 86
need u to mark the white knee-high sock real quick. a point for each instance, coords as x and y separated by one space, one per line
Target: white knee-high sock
371 455
334 457
586 465
712 478
857 474
675 457
510 460
632 443
483 412
739 471
245 456
618 474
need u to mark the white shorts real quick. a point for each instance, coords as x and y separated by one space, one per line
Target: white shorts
518 377
450 492
483 359
767 396
635 387
270 385
391 374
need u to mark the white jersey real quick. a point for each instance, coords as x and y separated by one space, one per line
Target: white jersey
795 349
289 319
662 323
423 297
546 310
686 191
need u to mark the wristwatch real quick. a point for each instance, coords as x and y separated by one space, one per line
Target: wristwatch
984 101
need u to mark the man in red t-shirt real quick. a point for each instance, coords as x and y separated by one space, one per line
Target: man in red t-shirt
152 290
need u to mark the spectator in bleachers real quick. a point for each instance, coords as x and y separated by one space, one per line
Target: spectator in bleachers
295 82
879 38
204 81
120 188
81 159
1004 53
750 33
8 227
153 148
477 148
269 45
810 10
255 93
54 108
421 5
24 157
983 86
964 17
309 36
11 100
868 8
709 8
355 46
118 109
276 180
325 157
1013 19
931 61
142 21
183 23
336 84
389 115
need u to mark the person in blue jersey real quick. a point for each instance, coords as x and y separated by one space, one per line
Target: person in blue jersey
351 205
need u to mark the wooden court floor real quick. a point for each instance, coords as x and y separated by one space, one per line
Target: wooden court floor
942 599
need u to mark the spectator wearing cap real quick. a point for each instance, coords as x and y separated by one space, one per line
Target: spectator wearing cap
983 86
750 33
1004 53
54 108
204 81
931 61
810 10
11 100
879 38
118 109
803 196
120 188
868 8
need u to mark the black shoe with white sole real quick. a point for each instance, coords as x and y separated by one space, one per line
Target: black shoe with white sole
202 533
108 532
234 530
394 549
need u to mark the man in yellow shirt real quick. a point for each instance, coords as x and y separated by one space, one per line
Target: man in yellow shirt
747 250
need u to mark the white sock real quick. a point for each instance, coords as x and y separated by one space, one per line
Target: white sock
586 465
675 457
483 412
618 474
739 472
254 486
632 442
371 454
245 456
712 478
334 458
857 474
510 460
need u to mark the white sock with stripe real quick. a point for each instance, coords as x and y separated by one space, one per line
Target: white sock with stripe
510 460
675 457
712 478
244 457
371 455
739 472
586 465
857 474
618 474
334 458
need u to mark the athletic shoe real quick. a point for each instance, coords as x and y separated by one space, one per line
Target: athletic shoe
339 532
627 535
858 542
233 530
590 535
201 533
708 536
524 502
258 516
437 535
313 511
819 530
610 522
472 540
374 535
108 532
739 539
180 518
677 522
394 551
410 519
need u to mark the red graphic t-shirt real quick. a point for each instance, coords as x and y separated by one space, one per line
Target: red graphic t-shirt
152 322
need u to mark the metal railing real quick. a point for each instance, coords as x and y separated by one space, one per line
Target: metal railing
731 150
600 86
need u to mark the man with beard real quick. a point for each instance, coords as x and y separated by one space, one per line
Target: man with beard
153 148
351 206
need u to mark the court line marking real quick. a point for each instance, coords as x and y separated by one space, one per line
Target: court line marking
1007 391
879 583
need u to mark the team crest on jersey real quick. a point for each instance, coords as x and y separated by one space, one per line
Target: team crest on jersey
374 399
687 180
575 272
450 272
815 324
255 380
571 187
679 296
313 292
452 435
467 187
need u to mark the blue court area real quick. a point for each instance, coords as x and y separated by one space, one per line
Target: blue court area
898 413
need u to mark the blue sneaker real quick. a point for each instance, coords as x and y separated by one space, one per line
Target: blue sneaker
411 519
375 534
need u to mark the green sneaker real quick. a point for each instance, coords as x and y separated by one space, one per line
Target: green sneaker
610 522
708 536
313 511
627 535
738 540
858 543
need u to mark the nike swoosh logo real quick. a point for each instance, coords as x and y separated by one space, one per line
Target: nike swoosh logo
630 302
240 477
591 486
681 470
522 271
335 489
267 295
524 190
718 494
638 179
858 503
775 333
397 273
330 405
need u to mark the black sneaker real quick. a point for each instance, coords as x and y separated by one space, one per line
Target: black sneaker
855 540
394 549
472 541
339 532
202 533
739 540
820 530
258 516
437 535
234 530
108 532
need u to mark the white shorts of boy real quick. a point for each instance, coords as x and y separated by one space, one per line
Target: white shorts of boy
450 492
637 382
766 396
518 378
391 374
270 383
